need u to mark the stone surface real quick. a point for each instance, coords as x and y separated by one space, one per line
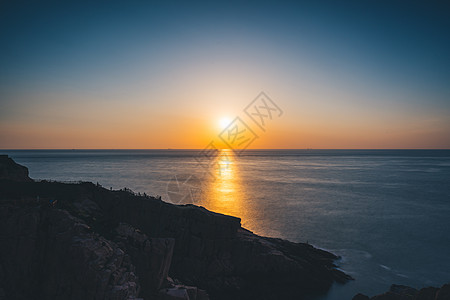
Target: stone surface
401 292
151 256
427 294
173 294
443 293
49 254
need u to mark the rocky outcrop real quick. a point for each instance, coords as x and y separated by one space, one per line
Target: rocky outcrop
151 256
213 252
48 254
81 241
401 292
9 169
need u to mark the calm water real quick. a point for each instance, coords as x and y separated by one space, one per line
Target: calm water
386 212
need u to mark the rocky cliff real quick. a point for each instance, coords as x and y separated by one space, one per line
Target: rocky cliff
9 169
81 241
401 292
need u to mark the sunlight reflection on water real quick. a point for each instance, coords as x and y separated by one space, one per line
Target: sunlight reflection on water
223 192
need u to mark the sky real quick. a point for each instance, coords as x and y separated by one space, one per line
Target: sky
167 74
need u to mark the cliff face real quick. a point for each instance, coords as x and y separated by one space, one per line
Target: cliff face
214 252
49 254
9 169
81 241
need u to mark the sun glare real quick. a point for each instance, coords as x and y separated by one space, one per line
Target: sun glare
224 122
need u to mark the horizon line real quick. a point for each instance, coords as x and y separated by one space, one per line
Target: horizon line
200 149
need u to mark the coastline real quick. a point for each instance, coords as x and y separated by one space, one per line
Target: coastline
187 249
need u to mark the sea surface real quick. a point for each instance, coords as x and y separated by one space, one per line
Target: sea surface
385 212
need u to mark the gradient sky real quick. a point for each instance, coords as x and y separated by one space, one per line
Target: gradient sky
139 74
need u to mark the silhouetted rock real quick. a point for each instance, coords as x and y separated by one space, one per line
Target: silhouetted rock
401 292
11 170
360 297
428 293
49 254
81 241
444 292
213 252
151 256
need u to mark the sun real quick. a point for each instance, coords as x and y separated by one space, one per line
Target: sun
224 122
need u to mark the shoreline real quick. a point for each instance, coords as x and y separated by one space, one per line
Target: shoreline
205 252
93 208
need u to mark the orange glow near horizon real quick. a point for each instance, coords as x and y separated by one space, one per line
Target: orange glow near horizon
196 135
102 125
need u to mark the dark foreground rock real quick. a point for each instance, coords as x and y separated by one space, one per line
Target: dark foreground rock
9 169
49 254
81 241
402 292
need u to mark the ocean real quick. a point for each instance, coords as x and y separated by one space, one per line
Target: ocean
385 212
